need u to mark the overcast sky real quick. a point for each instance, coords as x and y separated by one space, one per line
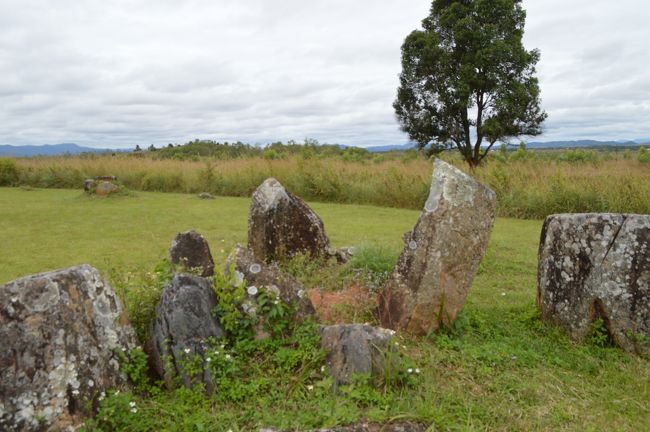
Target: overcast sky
116 73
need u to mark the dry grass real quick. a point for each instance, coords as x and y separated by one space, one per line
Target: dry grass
528 184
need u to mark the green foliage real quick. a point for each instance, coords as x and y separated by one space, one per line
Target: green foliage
133 364
642 157
140 291
469 58
8 172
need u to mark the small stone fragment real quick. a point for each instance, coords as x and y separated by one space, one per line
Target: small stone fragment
597 267
355 349
441 255
191 252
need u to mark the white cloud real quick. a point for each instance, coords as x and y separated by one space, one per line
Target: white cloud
119 73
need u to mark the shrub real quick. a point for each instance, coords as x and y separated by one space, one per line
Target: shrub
8 172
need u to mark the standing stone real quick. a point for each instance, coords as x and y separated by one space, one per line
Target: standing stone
191 252
597 266
61 333
261 276
281 225
355 349
441 255
183 325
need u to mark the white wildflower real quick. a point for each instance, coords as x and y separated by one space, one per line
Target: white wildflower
409 370
187 350
208 359
310 387
134 410
228 357
132 404
75 392
417 370
322 368
300 293
503 294
275 302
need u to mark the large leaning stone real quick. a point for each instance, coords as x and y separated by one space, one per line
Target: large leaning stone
597 266
190 252
184 323
61 334
441 255
281 225
260 276
355 349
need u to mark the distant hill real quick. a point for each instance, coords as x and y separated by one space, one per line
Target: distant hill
582 144
387 148
49 150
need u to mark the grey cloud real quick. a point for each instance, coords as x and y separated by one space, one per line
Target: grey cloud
123 72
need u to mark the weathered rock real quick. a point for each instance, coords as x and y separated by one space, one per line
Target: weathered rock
206 195
104 188
281 225
258 275
61 332
597 266
183 325
441 255
89 184
191 252
355 349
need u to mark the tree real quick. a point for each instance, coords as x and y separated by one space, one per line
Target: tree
467 78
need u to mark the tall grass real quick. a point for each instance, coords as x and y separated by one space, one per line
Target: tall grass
528 184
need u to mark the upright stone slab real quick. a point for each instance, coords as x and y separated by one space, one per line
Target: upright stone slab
190 252
182 327
61 333
597 266
281 225
441 255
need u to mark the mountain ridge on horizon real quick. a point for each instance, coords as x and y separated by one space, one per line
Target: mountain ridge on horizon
75 149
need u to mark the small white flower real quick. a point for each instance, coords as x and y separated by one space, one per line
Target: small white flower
310 387
223 346
322 368
117 392
134 410
102 395
216 353
514 358
301 293
228 357
222 251
409 370
75 392
208 359
132 404
251 290
503 294
229 430
397 344
417 370
404 346
187 350
123 349
276 302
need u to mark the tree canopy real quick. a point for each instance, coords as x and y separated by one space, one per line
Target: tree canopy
467 81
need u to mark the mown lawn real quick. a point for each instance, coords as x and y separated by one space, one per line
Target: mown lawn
500 368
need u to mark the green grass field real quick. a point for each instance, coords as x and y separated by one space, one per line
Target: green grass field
499 368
